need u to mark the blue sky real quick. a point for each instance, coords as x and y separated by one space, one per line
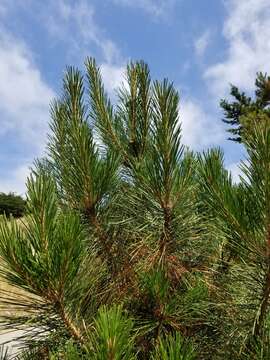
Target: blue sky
201 45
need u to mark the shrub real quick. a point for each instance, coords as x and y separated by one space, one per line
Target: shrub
12 204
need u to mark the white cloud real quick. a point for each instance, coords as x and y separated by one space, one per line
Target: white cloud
74 22
113 76
199 130
235 171
64 15
24 96
247 32
156 8
202 43
24 108
15 181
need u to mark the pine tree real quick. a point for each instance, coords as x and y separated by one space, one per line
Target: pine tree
242 105
109 217
133 247
241 216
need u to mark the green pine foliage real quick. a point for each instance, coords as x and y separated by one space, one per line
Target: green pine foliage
242 105
173 348
112 337
134 247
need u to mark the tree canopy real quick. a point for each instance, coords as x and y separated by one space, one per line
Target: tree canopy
11 204
242 105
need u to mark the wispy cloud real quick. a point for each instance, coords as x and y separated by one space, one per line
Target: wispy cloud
159 9
235 171
199 129
247 33
74 22
15 180
24 95
113 77
24 107
201 43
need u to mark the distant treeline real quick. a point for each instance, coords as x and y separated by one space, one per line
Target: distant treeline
12 205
